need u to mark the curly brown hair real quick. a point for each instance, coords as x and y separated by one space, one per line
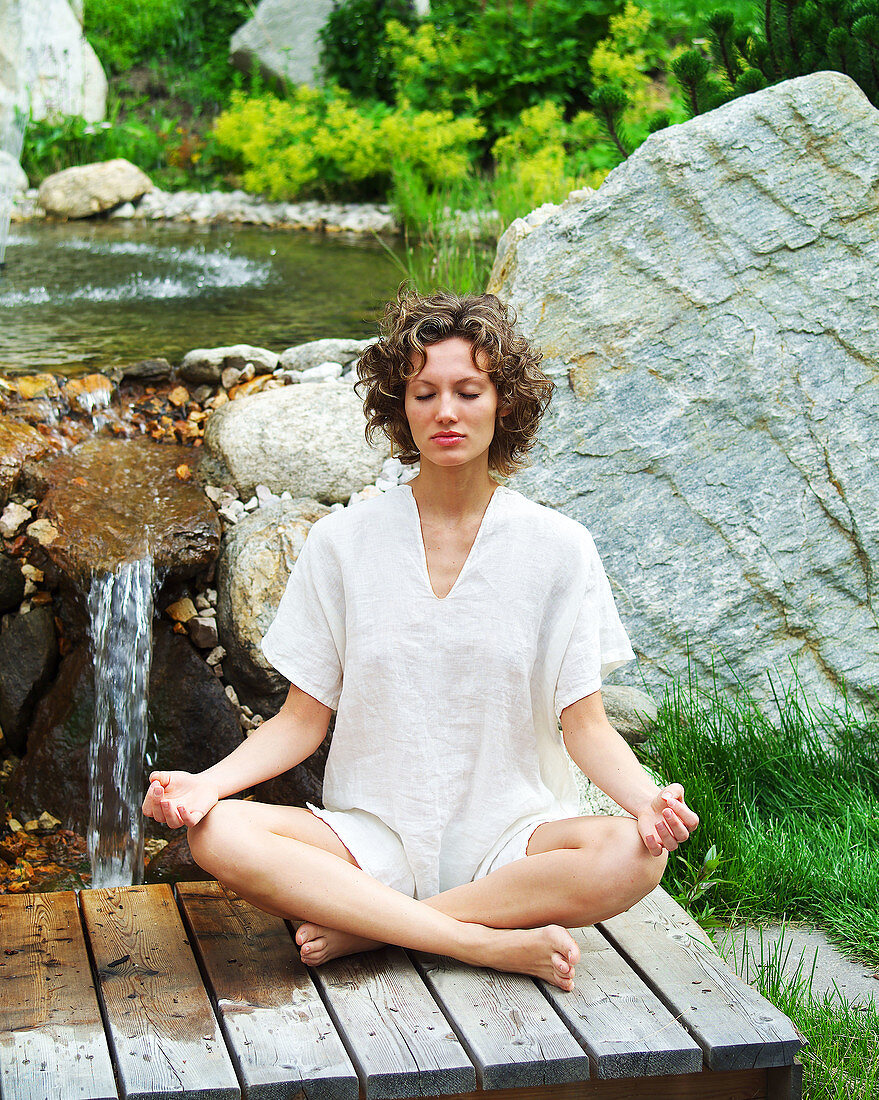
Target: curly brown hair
411 323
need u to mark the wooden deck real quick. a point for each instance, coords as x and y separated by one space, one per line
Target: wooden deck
146 992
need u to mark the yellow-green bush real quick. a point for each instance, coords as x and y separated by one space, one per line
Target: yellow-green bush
321 142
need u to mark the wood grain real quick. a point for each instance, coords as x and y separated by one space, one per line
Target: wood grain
278 1031
52 1040
165 1038
398 1039
505 1024
626 1029
735 1027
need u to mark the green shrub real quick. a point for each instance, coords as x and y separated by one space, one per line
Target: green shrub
322 143
494 59
65 140
184 42
353 45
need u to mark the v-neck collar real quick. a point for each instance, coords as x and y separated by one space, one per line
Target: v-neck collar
419 534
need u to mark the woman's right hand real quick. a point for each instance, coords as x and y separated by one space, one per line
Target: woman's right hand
179 798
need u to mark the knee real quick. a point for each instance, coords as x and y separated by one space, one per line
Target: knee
209 839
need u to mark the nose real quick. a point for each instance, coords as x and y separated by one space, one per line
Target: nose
446 408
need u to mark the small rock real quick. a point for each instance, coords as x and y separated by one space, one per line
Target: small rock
31 573
181 611
203 632
32 826
47 822
215 656
208 612
265 495
201 602
230 377
178 396
232 695
43 532
211 594
214 493
228 515
252 504
145 370
29 588
14 515
15 826
247 372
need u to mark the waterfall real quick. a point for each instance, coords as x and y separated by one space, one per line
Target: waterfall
11 142
120 607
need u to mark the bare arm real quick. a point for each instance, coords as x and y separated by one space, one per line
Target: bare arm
296 731
664 819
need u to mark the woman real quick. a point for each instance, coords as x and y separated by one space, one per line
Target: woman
449 622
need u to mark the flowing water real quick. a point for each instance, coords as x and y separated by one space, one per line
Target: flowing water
92 295
121 613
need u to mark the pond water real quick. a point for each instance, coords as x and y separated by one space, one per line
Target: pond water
84 296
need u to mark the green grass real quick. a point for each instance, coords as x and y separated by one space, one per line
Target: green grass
791 802
840 1061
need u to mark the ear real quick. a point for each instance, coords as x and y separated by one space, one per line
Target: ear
502 410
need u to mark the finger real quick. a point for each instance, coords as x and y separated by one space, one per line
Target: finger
666 836
678 828
673 790
190 818
683 811
653 845
172 817
160 777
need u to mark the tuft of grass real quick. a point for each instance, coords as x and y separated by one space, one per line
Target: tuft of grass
840 1060
789 801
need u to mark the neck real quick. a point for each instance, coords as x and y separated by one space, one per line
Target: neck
453 493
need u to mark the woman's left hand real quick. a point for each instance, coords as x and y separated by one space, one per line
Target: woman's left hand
667 822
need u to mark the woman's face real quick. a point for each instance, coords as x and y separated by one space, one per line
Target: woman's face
451 406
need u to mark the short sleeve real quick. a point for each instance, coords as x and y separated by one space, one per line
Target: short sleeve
305 642
598 643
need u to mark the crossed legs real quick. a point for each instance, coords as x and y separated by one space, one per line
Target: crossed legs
290 863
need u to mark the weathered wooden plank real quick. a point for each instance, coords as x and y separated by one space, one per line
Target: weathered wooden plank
398 1039
278 1031
734 1025
511 1034
625 1028
748 1084
164 1036
52 1040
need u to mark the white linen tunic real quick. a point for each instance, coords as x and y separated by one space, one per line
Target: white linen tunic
446 738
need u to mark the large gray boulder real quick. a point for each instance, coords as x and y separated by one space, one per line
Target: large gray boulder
256 559
307 439
710 316
281 39
46 65
88 189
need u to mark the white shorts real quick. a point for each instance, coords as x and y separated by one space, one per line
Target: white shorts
380 852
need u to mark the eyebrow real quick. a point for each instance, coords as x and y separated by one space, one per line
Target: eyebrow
458 382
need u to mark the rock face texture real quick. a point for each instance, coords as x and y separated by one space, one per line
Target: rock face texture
28 658
710 318
282 39
255 562
192 725
307 439
19 443
46 65
90 189
108 501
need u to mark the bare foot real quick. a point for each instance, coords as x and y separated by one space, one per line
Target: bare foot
318 944
549 953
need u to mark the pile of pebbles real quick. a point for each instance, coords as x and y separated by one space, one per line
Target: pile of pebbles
238 208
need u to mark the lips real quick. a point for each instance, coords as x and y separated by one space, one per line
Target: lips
447 435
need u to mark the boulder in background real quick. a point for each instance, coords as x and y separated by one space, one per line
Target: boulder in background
711 318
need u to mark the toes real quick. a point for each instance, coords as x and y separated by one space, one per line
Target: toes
306 932
561 964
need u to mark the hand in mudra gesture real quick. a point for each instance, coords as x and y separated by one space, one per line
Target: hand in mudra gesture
667 822
179 798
